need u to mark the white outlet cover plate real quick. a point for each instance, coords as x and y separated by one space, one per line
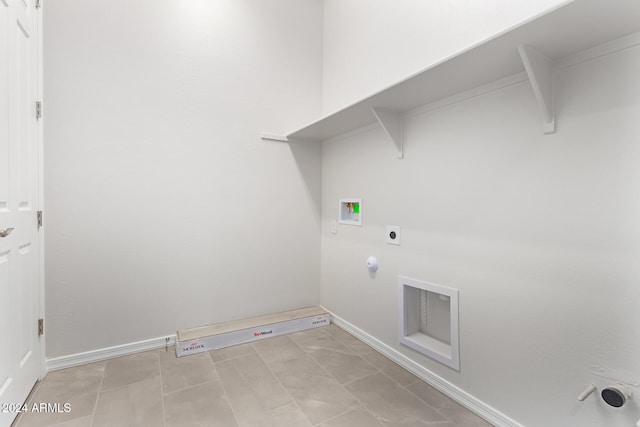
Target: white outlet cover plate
334 227
396 229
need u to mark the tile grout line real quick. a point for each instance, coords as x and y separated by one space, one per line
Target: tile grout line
430 406
189 387
395 381
331 376
341 385
286 390
346 411
226 395
164 411
352 354
406 387
95 406
379 370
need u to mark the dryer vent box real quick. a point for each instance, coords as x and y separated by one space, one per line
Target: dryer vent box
429 320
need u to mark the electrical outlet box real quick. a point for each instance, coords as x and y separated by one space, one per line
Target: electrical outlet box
393 234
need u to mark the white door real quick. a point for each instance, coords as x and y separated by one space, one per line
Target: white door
20 351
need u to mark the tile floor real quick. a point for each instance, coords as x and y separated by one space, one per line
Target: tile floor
321 377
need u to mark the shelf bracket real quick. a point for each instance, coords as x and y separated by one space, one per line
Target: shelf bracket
541 74
273 137
391 122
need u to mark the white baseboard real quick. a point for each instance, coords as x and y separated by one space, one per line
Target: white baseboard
462 397
107 353
465 399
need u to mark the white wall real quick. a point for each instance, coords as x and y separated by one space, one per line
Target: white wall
369 45
539 233
164 210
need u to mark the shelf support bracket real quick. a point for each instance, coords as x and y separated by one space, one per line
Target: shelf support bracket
273 137
391 122
541 74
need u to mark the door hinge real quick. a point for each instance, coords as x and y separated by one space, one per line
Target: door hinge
39 216
40 327
38 4
38 109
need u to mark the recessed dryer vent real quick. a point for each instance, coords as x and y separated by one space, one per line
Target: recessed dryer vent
429 320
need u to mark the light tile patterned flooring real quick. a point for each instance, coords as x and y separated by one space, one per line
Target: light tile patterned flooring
321 377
